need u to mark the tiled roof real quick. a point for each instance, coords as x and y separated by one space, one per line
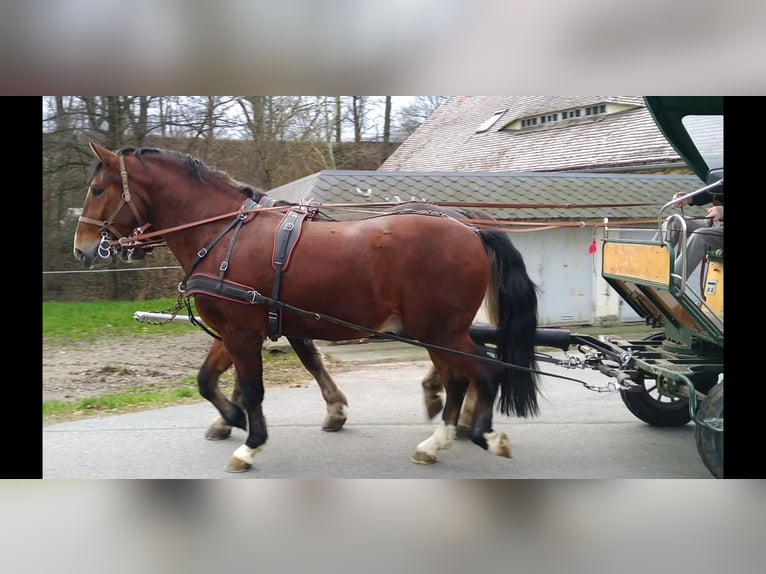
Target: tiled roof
447 140
327 187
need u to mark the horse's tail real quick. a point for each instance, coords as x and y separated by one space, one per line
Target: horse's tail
511 303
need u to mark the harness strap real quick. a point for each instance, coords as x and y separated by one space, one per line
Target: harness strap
204 284
243 216
285 238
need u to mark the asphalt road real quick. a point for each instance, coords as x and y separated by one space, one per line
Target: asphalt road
579 434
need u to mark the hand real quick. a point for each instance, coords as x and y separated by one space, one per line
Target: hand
684 202
715 213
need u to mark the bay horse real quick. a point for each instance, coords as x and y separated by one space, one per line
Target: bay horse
218 360
403 273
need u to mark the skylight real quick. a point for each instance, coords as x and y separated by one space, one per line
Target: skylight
490 121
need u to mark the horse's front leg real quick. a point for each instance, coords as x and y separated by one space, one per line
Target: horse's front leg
248 361
216 362
337 404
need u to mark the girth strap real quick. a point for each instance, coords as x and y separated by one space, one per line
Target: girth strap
285 237
204 284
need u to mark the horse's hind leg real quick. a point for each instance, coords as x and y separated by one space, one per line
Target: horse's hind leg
337 404
432 389
216 362
465 422
455 386
482 433
432 397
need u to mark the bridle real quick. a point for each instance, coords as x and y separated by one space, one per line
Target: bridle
106 226
138 238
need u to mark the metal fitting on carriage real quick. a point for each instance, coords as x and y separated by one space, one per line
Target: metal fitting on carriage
626 357
572 362
624 378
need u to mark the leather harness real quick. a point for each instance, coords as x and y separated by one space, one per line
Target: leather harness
286 237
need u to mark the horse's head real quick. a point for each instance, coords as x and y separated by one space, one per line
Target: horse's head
110 213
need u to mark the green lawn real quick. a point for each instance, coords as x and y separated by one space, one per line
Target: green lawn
85 321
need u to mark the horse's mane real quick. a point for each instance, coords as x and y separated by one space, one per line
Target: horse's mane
196 167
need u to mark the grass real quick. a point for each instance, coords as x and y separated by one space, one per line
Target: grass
86 321
120 403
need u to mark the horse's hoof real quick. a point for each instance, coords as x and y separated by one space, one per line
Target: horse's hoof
237 465
434 407
218 433
462 432
421 457
498 444
332 424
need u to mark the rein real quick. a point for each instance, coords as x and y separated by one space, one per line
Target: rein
140 238
236 292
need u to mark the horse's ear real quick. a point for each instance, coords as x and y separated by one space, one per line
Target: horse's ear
102 153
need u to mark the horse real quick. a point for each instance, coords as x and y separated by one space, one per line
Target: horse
402 273
218 360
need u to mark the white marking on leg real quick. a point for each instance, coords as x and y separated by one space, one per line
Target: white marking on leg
440 440
498 443
338 410
245 453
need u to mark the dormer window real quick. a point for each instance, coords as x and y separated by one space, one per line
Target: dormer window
593 110
564 117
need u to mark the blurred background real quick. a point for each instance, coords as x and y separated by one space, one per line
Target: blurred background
328 527
412 46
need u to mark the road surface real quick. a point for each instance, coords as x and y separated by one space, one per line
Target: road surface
579 434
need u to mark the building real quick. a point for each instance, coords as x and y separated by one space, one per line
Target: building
561 163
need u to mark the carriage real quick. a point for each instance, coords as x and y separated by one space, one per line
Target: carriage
384 277
682 363
675 375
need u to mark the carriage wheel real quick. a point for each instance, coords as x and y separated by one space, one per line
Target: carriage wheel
654 408
710 442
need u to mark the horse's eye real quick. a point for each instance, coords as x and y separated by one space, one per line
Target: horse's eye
96 191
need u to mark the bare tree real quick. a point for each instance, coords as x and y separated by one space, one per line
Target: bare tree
387 128
412 116
262 140
358 104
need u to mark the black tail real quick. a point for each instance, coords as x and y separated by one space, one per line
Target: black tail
512 306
